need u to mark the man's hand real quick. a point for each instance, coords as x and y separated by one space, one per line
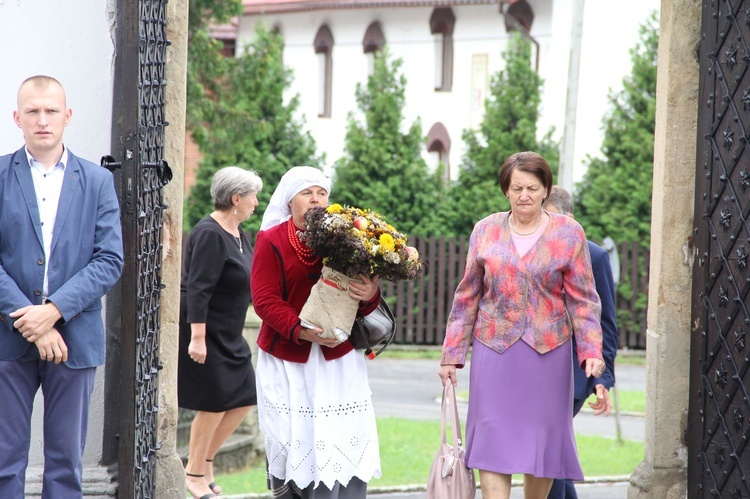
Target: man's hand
603 404
52 347
34 321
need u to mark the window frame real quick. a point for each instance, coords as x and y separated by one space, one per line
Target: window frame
439 141
442 24
323 46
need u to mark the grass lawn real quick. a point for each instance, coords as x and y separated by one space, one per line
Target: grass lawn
407 448
630 401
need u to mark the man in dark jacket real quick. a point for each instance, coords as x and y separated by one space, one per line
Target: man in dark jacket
560 201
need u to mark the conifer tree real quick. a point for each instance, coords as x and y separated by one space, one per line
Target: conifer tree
614 197
237 115
509 125
382 168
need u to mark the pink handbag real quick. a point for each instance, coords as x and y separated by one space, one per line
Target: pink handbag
449 477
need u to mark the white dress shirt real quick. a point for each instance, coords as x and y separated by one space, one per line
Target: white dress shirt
48 185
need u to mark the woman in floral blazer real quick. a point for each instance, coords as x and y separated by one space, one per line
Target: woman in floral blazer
528 277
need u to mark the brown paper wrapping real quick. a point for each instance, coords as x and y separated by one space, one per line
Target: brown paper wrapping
329 305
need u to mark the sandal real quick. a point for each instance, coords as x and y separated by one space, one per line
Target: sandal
213 485
205 496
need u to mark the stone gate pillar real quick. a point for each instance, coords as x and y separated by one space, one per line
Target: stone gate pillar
663 472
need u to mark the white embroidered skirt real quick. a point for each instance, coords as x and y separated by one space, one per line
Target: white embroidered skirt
317 419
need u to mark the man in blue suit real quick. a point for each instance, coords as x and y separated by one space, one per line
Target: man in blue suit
560 201
60 252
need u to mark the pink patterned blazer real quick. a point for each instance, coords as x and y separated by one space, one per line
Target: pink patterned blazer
540 298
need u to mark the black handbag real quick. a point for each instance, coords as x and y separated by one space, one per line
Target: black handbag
375 330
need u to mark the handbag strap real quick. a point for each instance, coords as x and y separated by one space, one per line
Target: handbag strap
449 404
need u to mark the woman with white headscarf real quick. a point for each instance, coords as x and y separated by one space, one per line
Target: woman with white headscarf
314 399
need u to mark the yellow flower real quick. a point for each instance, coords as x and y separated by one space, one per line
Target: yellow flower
334 208
386 242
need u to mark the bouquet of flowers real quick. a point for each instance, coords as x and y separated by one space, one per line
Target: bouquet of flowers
351 241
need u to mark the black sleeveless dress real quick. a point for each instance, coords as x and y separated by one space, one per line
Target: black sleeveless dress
215 290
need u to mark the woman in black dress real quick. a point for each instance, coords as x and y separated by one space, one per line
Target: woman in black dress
215 375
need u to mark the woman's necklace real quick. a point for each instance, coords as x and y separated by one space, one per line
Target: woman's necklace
522 234
239 242
305 254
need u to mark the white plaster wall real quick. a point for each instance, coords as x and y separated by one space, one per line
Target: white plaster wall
71 41
610 29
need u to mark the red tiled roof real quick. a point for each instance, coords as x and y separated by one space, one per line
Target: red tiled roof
254 7
225 31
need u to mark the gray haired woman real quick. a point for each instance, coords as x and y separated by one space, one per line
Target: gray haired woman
215 375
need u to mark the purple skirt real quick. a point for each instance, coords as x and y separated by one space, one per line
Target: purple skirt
520 417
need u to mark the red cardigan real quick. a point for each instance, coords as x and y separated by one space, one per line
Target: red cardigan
281 284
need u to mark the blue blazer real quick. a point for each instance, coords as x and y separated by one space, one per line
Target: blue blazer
86 256
605 287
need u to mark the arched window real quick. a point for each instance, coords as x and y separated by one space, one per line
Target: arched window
372 43
439 148
324 48
441 26
519 17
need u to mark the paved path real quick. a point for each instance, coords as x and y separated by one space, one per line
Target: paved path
616 490
410 388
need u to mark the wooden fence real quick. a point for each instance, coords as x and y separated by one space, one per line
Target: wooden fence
632 295
421 307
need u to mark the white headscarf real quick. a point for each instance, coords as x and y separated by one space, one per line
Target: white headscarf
294 181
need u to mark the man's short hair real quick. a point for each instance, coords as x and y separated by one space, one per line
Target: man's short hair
561 199
41 81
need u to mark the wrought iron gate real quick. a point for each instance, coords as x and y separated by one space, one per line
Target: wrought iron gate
719 420
140 76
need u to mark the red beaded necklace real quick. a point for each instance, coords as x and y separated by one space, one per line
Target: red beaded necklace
305 254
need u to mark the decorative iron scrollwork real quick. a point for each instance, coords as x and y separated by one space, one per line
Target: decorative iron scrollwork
738 419
728 137
153 174
744 179
731 56
739 340
725 218
722 376
723 297
719 458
